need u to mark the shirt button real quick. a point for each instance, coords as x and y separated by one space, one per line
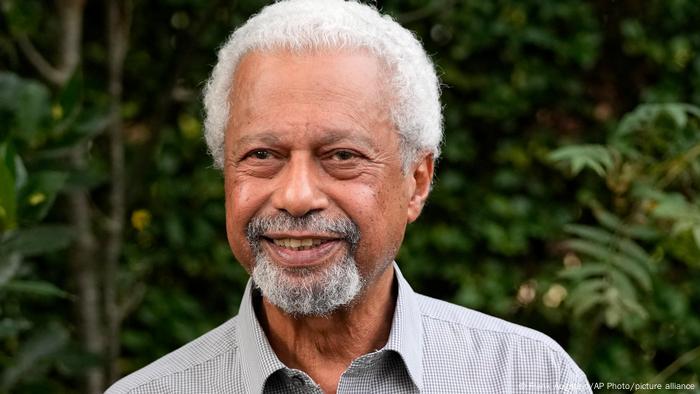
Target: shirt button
297 381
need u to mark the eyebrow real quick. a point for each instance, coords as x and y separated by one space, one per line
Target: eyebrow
329 137
265 137
334 136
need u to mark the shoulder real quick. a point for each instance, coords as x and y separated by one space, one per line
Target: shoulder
443 315
493 352
202 359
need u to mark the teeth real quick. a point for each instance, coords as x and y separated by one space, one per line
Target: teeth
298 244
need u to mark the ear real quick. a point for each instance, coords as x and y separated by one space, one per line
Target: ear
421 175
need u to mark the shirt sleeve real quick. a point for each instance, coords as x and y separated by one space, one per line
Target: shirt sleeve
573 380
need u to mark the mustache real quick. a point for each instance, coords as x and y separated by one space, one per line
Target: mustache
313 222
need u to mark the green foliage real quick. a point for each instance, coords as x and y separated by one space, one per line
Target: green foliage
610 280
33 354
596 157
31 343
641 248
8 198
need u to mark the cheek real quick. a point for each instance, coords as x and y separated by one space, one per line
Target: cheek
380 211
243 201
392 200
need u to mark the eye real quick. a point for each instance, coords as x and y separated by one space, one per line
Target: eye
259 154
343 155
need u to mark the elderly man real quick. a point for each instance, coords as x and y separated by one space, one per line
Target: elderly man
326 120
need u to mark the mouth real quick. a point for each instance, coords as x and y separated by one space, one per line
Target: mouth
303 251
298 244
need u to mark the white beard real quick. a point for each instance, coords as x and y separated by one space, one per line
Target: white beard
308 291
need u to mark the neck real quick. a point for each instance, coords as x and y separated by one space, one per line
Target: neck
324 347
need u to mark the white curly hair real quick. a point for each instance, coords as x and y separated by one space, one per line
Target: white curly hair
304 25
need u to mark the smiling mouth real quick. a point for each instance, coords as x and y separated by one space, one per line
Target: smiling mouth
298 252
299 244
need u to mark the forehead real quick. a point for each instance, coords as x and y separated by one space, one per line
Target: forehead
332 90
355 71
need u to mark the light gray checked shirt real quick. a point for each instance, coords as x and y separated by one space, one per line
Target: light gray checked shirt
433 347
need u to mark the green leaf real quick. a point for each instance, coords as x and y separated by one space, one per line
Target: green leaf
633 269
696 235
591 233
629 265
586 291
641 117
580 308
27 101
41 346
8 196
86 179
9 265
8 155
596 157
622 283
33 107
632 249
10 84
35 288
83 126
672 206
37 240
70 97
20 172
614 223
635 307
693 110
38 195
597 235
677 113
599 252
612 317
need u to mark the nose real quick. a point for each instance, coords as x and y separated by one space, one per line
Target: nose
299 191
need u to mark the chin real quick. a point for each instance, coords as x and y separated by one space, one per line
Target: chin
309 291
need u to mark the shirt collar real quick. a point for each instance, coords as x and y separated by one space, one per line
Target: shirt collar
259 360
406 336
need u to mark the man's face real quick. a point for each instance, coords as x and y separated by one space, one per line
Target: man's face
313 172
